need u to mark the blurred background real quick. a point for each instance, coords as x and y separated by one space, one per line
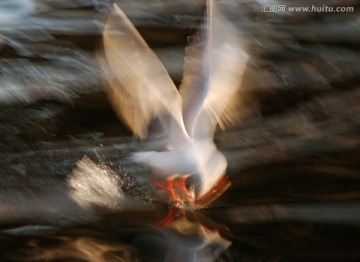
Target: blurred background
293 158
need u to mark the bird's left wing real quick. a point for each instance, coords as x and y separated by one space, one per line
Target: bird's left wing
139 86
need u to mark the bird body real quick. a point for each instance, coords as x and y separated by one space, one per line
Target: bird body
199 157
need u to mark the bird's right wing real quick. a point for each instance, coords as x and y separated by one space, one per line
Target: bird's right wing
214 67
139 86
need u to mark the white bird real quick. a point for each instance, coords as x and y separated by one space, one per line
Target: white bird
141 90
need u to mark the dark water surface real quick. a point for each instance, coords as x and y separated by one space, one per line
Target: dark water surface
293 160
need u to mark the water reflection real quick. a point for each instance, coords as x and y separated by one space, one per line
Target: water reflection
183 239
251 234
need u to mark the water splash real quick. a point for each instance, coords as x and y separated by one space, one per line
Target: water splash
95 185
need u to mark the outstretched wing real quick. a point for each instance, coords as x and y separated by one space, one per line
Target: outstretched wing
214 66
139 86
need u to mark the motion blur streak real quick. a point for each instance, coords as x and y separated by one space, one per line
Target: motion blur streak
348 213
11 11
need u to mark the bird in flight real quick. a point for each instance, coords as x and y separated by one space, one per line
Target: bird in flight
141 91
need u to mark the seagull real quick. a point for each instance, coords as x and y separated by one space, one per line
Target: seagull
141 91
